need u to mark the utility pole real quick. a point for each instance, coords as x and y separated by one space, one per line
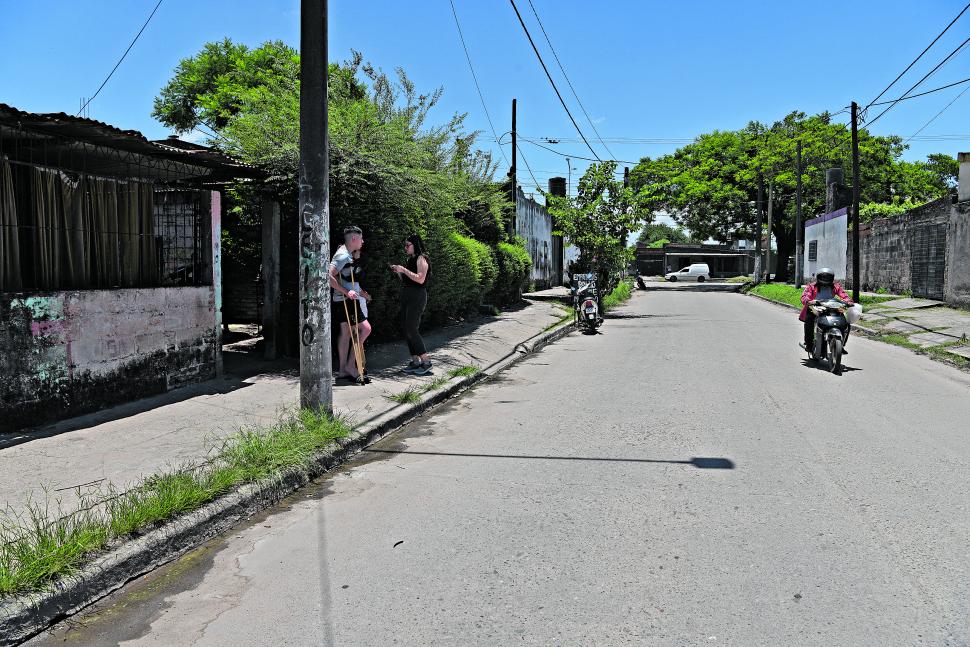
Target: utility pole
799 234
758 257
771 199
316 372
569 176
513 173
855 202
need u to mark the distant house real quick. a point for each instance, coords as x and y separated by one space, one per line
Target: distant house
724 260
109 264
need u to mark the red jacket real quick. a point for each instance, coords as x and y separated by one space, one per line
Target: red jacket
811 291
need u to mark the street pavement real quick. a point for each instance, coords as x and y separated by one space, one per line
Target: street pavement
683 478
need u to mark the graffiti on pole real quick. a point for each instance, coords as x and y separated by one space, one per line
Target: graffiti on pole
314 277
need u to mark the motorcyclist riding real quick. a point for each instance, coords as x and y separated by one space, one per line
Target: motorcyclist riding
823 288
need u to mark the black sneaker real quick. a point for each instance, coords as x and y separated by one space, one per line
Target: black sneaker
423 369
411 368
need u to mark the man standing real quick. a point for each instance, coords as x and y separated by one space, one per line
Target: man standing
344 288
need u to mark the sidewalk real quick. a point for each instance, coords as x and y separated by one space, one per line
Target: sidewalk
123 443
924 323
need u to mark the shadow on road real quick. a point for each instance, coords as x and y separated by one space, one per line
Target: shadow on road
823 366
699 462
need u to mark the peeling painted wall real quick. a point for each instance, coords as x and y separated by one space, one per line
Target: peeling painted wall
534 224
66 353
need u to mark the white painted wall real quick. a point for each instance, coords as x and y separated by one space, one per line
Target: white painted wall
831 233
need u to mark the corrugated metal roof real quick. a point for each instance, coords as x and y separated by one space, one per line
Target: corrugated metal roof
64 127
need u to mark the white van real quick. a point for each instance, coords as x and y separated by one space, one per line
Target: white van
699 272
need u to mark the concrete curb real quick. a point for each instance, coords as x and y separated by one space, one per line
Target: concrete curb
26 616
855 327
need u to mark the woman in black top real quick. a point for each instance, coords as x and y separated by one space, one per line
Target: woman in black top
415 296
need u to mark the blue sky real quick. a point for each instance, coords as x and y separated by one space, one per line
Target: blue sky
643 69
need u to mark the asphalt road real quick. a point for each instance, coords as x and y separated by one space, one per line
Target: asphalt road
681 479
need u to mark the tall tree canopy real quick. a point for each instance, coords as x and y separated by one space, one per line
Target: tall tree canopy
711 185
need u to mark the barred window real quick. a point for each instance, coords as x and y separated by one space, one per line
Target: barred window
64 230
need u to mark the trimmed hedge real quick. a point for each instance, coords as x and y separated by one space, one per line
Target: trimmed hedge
482 264
514 264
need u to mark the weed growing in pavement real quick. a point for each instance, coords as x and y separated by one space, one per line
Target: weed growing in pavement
619 295
413 394
41 544
464 371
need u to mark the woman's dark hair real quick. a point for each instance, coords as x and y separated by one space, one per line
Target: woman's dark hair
419 249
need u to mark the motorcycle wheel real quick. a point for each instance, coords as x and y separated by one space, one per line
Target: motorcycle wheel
835 359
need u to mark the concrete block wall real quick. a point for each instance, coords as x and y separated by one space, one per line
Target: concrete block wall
905 253
66 353
958 256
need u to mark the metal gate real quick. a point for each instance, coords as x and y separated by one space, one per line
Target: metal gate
928 260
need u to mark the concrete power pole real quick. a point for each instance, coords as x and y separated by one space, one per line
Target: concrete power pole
513 173
799 232
855 202
771 199
758 257
316 372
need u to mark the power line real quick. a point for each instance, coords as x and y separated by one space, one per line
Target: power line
873 102
519 149
110 74
921 94
917 84
553 83
577 157
568 82
938 114
477 87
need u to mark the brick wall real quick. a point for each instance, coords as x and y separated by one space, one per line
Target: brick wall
66 353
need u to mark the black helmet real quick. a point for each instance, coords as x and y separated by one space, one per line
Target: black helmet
825 276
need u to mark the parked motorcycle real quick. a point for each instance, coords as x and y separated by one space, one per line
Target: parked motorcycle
831 331
586 302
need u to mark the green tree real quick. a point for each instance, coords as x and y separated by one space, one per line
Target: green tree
596 221
657 234
711 185
391 171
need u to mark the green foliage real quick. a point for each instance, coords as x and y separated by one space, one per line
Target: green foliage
620 294
483 265
656 235
597 220
710 186
873 210
791 295
514 264
391 173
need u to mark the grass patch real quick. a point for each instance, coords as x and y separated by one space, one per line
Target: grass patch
619 295
784 293
409 395
563 319
464 371
413 394
41 544
739 279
